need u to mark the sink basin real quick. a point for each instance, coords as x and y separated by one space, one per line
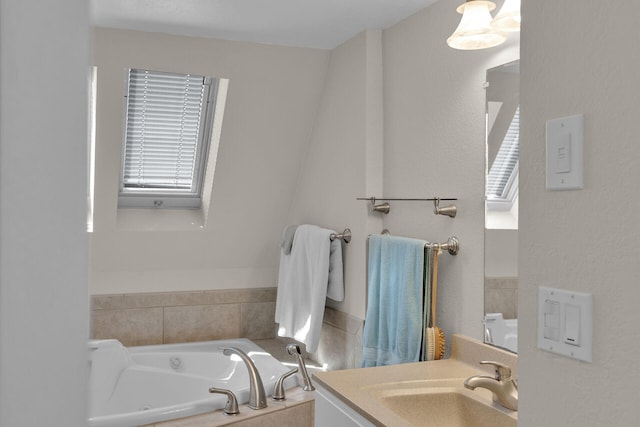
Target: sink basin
424 393
441 404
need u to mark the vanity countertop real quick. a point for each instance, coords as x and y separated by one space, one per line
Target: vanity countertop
357 388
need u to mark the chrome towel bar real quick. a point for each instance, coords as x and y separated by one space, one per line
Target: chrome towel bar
344 236
449 210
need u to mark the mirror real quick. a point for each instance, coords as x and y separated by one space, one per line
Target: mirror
501 206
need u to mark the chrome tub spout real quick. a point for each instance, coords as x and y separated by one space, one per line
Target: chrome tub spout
257 395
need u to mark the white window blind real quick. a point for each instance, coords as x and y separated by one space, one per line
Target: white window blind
166 141
502 179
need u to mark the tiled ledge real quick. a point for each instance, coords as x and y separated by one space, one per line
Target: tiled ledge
170 317
296 411
171 299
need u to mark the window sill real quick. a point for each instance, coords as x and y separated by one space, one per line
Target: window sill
160 219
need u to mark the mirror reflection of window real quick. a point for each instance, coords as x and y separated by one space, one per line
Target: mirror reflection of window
503 137
502 180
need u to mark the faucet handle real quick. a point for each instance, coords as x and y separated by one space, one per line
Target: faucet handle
278 390
503 372
231 408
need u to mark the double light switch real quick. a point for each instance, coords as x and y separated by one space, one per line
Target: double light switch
564 322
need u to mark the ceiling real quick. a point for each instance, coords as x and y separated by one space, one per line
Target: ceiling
305 23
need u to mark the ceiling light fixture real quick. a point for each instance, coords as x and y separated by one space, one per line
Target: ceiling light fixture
508 19
477 30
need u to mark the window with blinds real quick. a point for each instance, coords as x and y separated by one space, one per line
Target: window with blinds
167 133
502 180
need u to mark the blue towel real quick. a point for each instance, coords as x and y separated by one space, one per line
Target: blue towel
394 321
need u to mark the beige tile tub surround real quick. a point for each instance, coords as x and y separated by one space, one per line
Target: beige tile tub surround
171 317
351 385
501 296
340 341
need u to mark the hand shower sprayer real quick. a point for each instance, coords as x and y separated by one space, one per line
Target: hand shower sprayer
294 350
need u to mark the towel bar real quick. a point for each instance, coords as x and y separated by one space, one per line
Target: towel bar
345 236
452 245
449 210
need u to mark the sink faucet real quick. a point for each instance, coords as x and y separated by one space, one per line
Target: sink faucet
503 386
294 350
257 395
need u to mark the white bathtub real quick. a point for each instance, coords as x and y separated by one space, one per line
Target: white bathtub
141 385
501 332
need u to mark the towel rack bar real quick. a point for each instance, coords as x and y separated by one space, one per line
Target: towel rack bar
391 199
449 210
345 236
452 245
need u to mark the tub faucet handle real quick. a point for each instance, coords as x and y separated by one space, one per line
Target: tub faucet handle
231 408
278 390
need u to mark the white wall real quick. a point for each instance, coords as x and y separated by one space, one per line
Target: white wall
271 106
344 158
500 253
434 146
44 66
581 58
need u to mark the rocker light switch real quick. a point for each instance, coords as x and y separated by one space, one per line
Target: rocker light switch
552 320
564 322
565 153
572 324
562 153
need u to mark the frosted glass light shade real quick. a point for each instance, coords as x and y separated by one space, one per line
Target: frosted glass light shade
508 19
474 30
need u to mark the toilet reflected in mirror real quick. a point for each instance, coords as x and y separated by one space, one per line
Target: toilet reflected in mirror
501 205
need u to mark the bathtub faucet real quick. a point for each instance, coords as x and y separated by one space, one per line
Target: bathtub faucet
294 350
257 395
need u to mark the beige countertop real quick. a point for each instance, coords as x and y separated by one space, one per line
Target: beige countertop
359 388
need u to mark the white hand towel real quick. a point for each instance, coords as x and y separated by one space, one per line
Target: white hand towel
287 238
335 289
303 281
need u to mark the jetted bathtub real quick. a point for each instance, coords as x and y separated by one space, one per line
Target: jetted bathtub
501 332
141 385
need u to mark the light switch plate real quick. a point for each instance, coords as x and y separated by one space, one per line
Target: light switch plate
565 323
565 163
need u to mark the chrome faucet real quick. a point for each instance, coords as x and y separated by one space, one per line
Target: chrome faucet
257 395
503 386
294 350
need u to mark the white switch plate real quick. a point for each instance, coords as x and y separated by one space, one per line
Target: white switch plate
565 164
565 322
